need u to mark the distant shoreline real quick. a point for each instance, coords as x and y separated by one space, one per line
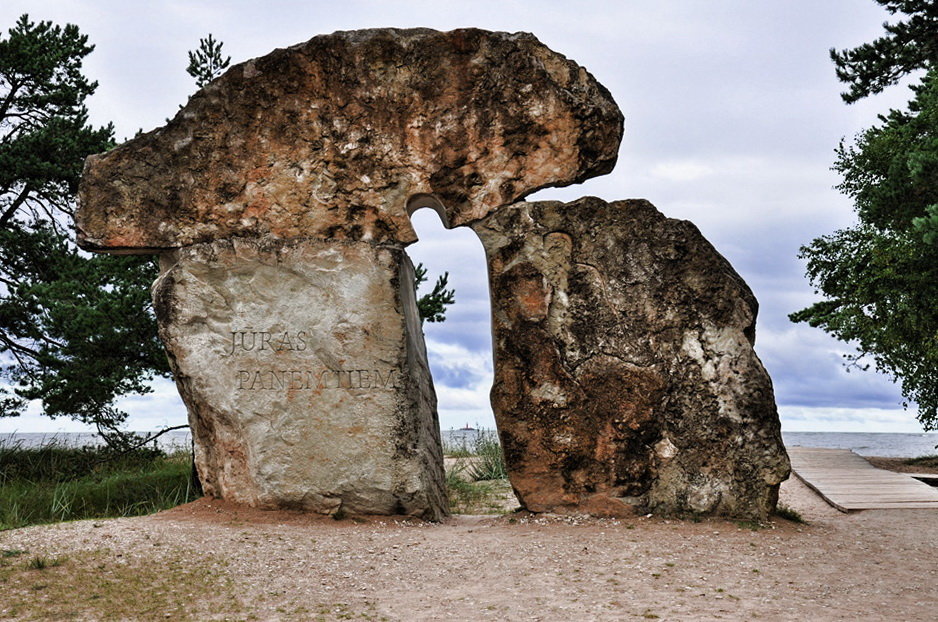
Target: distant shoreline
880 444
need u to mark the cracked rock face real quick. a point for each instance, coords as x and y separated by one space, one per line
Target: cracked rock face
337 137
625 378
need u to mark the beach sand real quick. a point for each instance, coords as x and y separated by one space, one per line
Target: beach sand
213 560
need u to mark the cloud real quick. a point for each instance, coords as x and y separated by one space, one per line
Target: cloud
835 419
462 379
681 171
807 370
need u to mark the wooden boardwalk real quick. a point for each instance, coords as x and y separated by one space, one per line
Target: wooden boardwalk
848 482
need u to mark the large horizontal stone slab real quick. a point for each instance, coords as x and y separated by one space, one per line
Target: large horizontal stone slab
303 367
625 376
338 137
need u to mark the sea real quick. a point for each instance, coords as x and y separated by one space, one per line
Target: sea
176 440
886 444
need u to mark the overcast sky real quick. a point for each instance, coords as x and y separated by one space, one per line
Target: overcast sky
732 115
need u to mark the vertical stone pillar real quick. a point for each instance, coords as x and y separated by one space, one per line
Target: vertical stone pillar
304 370
625 377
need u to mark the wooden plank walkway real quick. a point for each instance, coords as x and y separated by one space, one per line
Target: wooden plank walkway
848 482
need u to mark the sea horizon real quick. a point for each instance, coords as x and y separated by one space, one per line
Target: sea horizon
883 444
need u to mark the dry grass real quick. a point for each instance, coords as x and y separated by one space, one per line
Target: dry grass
100 585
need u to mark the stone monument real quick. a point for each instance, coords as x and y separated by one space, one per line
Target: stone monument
279 200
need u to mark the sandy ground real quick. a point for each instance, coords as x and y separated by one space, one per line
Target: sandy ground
870 565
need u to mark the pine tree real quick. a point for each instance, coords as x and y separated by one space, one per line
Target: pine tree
907 46
206 63
880 277
76 331
432 306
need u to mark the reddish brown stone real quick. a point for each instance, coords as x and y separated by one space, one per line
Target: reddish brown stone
337 137
625 379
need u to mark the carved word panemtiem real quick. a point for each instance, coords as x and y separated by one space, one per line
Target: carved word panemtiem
316 380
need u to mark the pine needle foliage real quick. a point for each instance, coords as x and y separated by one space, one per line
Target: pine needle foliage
76 331
432 306
879 278
206 63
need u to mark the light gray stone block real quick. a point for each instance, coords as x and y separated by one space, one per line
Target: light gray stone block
304 371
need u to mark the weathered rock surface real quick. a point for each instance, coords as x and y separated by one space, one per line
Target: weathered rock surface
333 138
625 378
304 371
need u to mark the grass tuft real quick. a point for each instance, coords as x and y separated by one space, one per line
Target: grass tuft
470 497
783 511
41 563
752 525
482 455
477 481
489 460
